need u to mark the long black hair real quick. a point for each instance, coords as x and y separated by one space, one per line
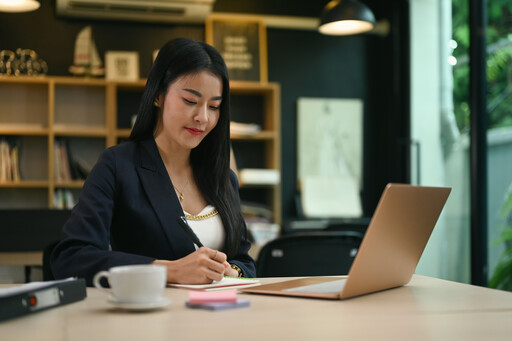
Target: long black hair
210 159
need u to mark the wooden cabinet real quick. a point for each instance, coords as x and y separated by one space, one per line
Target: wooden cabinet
40 115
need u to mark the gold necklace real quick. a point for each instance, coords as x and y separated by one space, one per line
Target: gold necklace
181 196
202 216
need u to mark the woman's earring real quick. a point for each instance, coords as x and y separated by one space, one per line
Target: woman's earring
155 103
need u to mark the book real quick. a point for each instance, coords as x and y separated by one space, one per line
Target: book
257 176
219 305
63 199
257 210
73 167
262 232
4 160
65 169
83 167
244 128
70 199
57 162
9 159
227 283
8 164
61 162
33 297
15 168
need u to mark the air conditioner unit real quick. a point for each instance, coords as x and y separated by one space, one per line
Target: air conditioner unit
184 11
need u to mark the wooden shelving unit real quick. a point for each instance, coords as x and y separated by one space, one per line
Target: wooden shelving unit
92 114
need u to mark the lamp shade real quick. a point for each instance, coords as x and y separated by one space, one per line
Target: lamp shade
14 6
345 17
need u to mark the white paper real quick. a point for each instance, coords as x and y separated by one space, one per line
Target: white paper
253 176
225 284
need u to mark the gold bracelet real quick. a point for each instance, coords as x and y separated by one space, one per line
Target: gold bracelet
237 268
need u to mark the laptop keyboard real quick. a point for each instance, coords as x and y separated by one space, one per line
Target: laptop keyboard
331 287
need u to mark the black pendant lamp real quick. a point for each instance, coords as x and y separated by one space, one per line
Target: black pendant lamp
16 6
345 17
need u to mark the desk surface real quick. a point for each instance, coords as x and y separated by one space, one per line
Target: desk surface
425 309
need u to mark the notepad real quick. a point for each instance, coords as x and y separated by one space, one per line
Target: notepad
225 284
218 300
202 297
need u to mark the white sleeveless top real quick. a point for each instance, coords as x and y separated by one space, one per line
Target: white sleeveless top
208 227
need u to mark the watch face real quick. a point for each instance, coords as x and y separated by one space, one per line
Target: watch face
233 266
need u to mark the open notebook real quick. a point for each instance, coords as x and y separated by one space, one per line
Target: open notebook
227 283
389 253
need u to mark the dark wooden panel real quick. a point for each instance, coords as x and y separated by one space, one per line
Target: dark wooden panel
30 230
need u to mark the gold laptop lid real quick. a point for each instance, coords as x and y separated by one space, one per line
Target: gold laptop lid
392 246
396 237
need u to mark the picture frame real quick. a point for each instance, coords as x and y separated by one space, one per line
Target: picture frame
242 42
122 65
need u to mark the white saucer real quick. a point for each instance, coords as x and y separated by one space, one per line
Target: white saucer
160 303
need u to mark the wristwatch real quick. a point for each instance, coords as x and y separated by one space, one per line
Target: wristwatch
237 268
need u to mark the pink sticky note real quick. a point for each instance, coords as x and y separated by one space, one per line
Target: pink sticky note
199 297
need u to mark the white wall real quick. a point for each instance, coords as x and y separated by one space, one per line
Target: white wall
425 89
426 33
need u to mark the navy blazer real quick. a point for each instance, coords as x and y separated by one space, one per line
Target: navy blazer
127 214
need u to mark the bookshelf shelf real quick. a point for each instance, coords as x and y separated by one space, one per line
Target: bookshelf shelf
88 114
123 133
24 184
270 186
262 135
23 129
79 130
69 184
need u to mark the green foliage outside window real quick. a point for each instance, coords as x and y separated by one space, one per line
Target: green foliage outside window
499 63
499 99
502 275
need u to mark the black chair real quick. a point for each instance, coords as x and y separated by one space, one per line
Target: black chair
30 230
309 254
47 252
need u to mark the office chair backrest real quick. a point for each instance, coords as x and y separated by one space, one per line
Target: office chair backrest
32 230
309 254
47 253
29 230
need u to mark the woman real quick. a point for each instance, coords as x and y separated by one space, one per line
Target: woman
175 164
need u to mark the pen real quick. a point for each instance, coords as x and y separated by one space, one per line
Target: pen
183 223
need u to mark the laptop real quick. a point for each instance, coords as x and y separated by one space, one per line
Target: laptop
389 253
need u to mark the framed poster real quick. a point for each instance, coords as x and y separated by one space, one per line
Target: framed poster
122 65
243 45
330 156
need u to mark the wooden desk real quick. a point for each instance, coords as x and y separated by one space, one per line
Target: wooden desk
426 309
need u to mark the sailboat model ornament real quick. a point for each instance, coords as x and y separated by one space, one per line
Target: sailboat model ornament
87 61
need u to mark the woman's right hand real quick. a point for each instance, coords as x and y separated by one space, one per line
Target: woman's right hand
203 266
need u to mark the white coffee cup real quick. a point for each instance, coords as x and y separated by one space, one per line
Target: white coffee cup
134 283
